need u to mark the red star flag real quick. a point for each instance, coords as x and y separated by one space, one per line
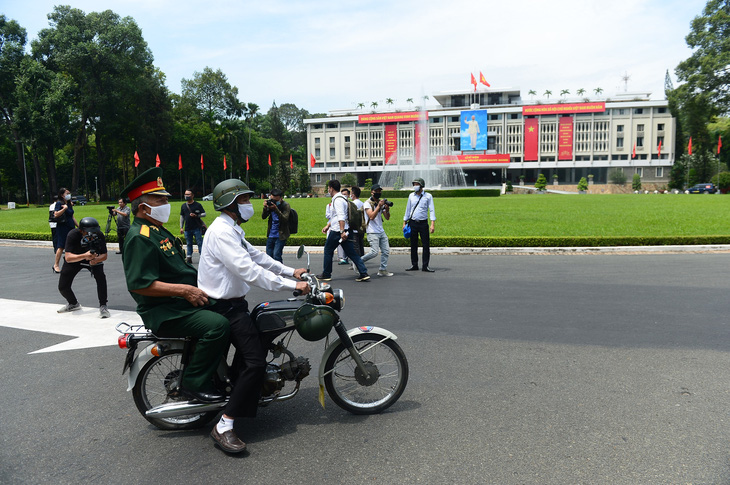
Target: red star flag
482 80
719 143
157 163
659 150
201 162
633 152
179 161
246 162
474 81
224 163
291 162
136 159
689 147
269 159
312 160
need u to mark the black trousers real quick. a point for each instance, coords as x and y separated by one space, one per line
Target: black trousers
121 234
420 227
69 272
249 362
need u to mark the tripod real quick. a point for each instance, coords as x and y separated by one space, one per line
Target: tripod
109 224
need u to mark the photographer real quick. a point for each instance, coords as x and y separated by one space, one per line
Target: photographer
122 213
277 211
191 223
85 248
375 209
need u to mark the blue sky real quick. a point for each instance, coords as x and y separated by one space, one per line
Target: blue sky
327 55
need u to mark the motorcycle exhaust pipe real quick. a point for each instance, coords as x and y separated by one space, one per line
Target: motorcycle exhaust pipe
182 408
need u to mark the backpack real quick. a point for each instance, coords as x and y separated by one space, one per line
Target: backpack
293 221
355 217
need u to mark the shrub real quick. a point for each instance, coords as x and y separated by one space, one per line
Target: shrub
348 179
617 176
509 186
583 184
636 182
541 182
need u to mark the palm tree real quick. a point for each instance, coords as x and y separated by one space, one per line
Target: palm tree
564 92
389 101
580 92
598 91
425 98
360 105
532 93
547 93
409 100
374 104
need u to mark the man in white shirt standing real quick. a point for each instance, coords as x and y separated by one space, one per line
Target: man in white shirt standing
418 210
375 209
339 234
229 265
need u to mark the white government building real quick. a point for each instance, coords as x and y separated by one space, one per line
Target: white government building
572 138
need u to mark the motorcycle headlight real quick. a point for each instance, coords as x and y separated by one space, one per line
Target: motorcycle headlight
336 300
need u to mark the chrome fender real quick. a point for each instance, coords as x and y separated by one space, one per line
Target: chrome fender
144 356
381 332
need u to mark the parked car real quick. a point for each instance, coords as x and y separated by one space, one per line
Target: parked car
79 200
702 189
208 197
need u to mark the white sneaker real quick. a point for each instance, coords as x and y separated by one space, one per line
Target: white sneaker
104 312
69 308
384 272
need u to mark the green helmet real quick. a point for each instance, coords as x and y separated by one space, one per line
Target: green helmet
419 181
314 322
225 193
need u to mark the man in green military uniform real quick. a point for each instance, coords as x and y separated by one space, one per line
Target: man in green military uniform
165 286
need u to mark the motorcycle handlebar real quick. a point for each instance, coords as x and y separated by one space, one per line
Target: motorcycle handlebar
304 277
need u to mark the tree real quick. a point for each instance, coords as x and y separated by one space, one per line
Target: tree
598 91
582 184
532 93
389 101
564 92
409 101
360 105
580 92
348 179
541 182
212 95
617 176
547 93
374 104
706 71
636 182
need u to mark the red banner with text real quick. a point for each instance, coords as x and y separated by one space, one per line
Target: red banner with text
565 138
531 139
392 117
391 144
421 141
475 159
551 109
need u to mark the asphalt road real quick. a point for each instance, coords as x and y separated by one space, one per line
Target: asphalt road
524 369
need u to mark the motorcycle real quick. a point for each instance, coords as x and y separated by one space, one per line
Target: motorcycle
363 369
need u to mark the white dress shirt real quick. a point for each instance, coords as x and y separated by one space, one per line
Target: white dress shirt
229 264
338 212
422 210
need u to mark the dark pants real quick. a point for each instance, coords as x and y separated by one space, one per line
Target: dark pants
329 250
249 362
69 272
211 331
121 234
420 227
275 248
53 238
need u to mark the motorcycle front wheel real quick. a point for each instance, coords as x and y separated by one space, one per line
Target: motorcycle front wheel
352 390
155 385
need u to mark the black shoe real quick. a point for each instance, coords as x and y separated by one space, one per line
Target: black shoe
428 270
203 396
119 252
412 268
322 277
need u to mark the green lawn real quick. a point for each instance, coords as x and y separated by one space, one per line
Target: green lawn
506 216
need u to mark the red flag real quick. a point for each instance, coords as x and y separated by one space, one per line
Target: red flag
246 162
482 80
719 143
201 162
633 152
531 139
157 164
269 159
313 160
179 162
291 162
136 159
474 82
659 150
224 163
689 147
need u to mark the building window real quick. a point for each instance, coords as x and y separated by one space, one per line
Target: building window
660 140
640 171
332 152
316 140
332 126
639 127
332 140
619 128
316 153
347 152
318 178
621 112
639 111
661 110
639 141
619 142
347 139
454 119
332 176
435 120
317 126
514 116
660 172
660 127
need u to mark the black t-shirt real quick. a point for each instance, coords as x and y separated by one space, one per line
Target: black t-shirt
77 244
192 223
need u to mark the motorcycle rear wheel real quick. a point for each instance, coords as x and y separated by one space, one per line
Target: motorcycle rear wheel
348 387
158 378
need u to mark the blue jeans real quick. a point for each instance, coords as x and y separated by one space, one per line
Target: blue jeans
378 240
275 247
333 240
198 238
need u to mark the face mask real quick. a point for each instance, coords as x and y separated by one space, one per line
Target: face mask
188 197
67 196
376 196
246 211
160 213
278 202
416 188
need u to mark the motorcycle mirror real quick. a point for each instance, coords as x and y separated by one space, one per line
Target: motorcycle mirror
301 252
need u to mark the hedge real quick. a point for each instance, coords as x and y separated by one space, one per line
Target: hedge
402 194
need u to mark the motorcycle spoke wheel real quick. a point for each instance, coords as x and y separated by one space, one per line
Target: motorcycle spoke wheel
387 368
155 386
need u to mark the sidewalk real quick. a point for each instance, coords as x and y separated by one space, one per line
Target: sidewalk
709 248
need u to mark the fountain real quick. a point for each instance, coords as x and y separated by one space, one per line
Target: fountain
401 170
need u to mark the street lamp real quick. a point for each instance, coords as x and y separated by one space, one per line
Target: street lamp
96 187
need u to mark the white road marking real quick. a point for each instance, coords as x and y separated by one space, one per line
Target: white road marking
90 330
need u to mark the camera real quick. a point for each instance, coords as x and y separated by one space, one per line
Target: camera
110 208
387 202
92 242
270 202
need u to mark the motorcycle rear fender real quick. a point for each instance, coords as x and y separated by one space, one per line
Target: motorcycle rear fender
380 332
144 356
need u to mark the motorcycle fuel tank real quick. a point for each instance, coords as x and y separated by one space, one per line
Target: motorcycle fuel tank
275 316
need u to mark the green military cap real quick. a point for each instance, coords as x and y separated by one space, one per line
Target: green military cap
149 182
